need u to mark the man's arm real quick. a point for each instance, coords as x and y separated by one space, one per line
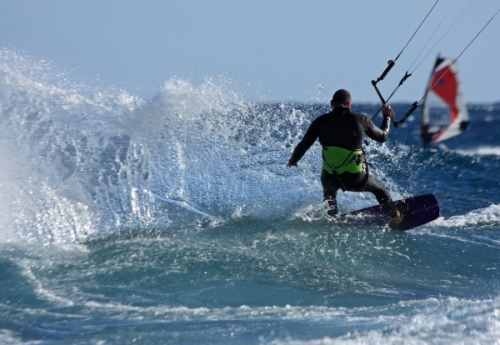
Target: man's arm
380 134
304 145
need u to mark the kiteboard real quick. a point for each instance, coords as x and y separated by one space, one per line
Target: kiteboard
417 211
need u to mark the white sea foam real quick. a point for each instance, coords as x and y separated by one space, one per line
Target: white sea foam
485 216
437 321
481 151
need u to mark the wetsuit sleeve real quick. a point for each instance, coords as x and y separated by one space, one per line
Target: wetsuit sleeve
306 142
379 134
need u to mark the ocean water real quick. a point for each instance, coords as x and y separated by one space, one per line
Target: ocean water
174 221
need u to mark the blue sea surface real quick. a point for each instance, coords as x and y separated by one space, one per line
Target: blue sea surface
175 221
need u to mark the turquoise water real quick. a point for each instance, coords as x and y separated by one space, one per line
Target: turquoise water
175 221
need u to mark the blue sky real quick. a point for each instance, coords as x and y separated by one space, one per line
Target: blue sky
271 49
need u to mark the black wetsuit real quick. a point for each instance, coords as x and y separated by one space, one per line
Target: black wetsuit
344 129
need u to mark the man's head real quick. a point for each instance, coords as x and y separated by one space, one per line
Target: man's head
341 98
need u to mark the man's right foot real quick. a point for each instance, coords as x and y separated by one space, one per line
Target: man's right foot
402 212
398 218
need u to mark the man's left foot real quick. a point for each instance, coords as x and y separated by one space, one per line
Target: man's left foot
332 213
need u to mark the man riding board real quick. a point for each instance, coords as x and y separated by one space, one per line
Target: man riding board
341 133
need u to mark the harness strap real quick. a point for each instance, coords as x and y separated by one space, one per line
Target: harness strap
338 160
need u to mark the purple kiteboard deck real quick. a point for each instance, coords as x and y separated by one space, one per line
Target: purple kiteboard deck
419 210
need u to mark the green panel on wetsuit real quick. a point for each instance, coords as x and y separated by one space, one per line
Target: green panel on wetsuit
341 160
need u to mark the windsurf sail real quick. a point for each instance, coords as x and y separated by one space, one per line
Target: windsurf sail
444 112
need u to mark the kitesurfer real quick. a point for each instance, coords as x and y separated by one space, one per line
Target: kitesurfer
341 133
